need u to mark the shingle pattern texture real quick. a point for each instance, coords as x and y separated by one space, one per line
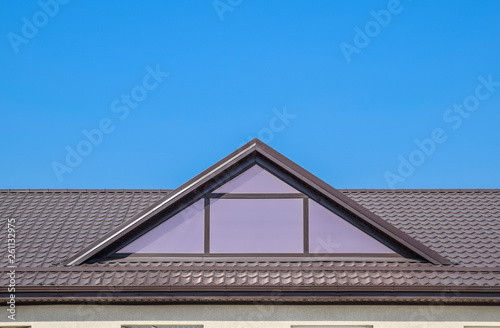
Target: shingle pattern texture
251 277
462 225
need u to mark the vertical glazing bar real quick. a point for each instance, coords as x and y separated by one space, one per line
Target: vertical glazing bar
306 224
207 226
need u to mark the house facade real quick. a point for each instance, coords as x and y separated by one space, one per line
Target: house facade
253 241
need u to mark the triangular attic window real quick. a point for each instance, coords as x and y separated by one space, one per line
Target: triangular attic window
255 213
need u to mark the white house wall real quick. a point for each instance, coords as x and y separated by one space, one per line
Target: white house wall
255 316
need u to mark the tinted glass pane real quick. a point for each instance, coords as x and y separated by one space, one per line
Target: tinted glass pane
256 180
256 226
329 233
182 233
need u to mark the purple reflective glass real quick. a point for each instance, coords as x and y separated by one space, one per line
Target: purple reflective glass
256 180
182 233
256 226
329 233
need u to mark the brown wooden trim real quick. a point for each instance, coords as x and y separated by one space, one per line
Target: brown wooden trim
305 209
365 257
489 290
206 227
354 257
252 300
255 195
351 257
295 299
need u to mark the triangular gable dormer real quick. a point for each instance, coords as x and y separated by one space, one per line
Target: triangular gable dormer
255 213
255 202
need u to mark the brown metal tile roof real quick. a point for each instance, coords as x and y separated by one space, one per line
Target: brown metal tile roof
462 225
52 225
235 279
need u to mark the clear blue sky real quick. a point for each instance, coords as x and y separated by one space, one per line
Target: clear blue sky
342 88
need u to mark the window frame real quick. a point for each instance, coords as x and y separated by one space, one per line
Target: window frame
207 223
307 195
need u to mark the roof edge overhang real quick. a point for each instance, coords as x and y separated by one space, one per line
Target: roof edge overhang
276 296
257 147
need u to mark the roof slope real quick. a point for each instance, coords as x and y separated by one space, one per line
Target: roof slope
462 225
54 225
